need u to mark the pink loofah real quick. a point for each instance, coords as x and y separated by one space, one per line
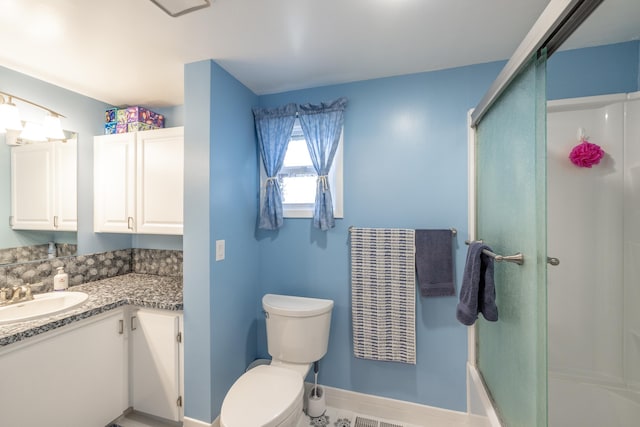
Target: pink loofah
586 154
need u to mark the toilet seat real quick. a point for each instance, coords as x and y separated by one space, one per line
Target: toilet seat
263 396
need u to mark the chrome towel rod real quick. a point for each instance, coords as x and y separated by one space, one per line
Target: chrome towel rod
518 258
453 230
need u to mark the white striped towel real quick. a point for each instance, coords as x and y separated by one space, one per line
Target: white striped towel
383 294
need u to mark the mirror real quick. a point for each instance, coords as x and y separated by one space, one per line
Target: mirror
31 179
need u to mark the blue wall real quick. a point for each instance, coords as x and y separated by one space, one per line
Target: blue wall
197 242
234 203
405 157
221 196
594 71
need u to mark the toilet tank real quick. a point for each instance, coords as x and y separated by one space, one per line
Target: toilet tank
297 327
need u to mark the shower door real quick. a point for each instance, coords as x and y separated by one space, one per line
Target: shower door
511 218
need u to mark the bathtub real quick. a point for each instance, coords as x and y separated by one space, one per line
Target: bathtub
575 401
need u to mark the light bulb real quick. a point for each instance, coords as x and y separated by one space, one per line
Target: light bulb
33 132
10 116
53 127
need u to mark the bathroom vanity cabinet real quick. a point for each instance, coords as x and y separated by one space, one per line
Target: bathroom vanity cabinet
74 376
139 182
44 186
89 372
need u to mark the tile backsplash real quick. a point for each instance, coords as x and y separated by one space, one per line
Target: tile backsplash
89 268
155 261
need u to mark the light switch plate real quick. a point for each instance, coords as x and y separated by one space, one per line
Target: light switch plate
219 250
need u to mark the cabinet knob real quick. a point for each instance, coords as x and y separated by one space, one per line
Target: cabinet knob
133 323
130 223
55 221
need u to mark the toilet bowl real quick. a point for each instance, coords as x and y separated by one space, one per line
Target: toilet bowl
266 396
272 395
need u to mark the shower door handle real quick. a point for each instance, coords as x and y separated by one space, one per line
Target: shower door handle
553 261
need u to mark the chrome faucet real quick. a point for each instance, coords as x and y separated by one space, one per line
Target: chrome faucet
18 294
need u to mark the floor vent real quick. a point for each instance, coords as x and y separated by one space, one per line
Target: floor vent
366 422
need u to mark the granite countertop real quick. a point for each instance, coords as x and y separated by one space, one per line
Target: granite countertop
140 290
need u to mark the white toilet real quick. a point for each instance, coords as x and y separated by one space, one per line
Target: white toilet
272 395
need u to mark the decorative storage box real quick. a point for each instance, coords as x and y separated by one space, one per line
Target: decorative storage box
110 115
133 127
131 119
142 115
110 128
121 116
136 126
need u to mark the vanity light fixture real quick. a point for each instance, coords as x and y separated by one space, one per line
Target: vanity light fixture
49 130
175 8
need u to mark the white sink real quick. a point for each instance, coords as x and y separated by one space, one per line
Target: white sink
42 305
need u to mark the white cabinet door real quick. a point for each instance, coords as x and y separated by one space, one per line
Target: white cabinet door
66 192
155 364
75 378
139 182
114 160
44 186
160 181
32 187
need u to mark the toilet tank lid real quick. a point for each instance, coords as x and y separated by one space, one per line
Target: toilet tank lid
286 305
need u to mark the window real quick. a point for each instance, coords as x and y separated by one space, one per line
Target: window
297 179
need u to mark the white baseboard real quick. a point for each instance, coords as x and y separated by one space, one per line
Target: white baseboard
191 422
398 410
382 407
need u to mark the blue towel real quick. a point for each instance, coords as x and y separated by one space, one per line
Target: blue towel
478 292
434 263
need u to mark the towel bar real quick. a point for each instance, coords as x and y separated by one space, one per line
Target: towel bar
518 258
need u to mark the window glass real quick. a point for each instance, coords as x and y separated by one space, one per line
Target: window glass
298 178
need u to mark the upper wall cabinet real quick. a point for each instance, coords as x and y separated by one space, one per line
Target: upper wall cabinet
44 186
139 182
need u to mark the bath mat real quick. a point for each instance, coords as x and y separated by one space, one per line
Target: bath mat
383 294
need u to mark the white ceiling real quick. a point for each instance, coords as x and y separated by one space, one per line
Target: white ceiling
129 52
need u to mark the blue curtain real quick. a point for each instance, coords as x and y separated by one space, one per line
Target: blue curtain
322 125
273 128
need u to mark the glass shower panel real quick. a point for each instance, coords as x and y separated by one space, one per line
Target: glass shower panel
511 218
